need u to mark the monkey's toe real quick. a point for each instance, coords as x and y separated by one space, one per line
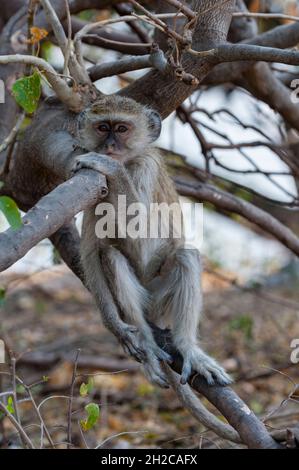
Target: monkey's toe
131 344
163 355
154 373
199 362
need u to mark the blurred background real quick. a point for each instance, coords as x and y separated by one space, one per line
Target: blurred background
250 281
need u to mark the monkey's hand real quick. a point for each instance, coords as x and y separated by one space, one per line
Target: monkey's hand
196 360
109 167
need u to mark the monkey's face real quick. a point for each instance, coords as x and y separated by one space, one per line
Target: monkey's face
119 127
114 137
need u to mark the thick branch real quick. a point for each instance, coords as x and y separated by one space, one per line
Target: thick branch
281 37
246 52
197 409
226 201
251 430
108 69
155 59
261 81
58 207
52 212
160 90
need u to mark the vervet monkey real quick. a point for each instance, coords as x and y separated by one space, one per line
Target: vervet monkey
134 280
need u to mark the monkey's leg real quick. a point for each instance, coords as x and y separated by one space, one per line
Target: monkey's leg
179 296
134 300
98 286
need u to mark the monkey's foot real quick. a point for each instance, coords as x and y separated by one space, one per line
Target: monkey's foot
144 349
153 372
129 340
151 365
195 360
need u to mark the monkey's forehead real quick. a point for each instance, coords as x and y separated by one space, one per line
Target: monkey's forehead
115 105
114 117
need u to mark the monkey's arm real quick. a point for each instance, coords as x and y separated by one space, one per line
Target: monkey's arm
57 153
119 183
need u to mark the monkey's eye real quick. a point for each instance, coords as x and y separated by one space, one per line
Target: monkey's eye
122 129
103 128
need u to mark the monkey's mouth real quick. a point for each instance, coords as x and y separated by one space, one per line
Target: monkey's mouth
114 155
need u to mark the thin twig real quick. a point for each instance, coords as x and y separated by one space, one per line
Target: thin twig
11 137
37 410
77 69
266 16
69 37
17 425
117 435
66 94
70 407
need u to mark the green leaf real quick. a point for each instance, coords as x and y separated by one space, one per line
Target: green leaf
21 389
10 406
2 295
11 212
85 389
47 48
93 414
27 91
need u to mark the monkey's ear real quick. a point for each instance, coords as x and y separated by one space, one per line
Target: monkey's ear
154 124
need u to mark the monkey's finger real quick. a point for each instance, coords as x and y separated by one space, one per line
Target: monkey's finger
155 376
208 376
164 356
214 373
222 378
186 372
135 352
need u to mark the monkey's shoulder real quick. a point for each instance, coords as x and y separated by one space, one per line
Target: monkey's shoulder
52 116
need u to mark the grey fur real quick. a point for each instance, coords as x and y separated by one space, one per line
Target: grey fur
135 280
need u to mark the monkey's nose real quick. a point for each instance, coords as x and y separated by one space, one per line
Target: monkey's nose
110 148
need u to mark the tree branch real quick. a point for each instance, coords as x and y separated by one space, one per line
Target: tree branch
197 409
226 201
77 68
161 91
112 39
155 59
281 37
66 94
247 52
275 94
252 431
83 190
52 212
